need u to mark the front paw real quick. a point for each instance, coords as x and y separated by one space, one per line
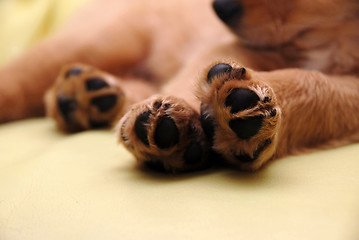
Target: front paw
239 115
83 98
164 134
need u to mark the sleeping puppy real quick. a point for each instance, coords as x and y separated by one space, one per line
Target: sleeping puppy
247 81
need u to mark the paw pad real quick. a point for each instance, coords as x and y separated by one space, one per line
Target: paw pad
240 99
155 165
246 128
141 128
166 132
94 84
104 103
66 106
74 71
217 69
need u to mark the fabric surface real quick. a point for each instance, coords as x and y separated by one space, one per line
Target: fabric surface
24 22
86 186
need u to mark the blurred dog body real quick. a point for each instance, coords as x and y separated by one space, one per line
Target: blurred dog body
154 40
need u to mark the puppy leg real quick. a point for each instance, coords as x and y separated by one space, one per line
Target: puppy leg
105 34
252 117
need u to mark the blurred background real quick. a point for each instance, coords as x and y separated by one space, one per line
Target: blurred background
24 22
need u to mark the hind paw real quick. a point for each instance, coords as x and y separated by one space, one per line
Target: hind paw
164 134
84 98
240 115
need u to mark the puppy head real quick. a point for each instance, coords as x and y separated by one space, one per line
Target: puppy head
272 23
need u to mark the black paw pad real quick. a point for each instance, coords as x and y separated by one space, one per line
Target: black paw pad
98 124
166 133
207 123
240 99
246 128
73 72
217 69
141 128
245 158
93 84
66 106
273 112
104 103
155 165
193 154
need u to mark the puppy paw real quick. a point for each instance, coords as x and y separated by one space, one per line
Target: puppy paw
240 115
164 134
84 98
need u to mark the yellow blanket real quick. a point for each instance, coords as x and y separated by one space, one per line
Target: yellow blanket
23 22
85 186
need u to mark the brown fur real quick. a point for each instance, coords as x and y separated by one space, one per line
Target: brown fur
305 53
